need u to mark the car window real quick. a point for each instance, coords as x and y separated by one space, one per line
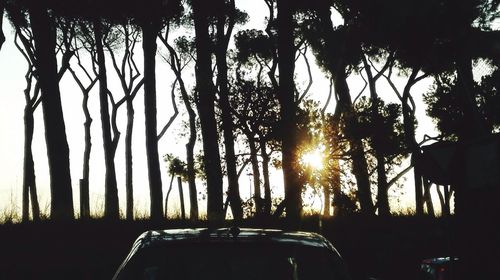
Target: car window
227 261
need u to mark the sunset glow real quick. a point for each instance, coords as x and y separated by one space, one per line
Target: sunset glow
313 159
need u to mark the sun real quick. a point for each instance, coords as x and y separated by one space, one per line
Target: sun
313 159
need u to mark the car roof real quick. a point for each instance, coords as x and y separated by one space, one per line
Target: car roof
152 237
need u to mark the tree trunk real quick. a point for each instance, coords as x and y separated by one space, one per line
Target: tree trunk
327 202
447 196
129 189
111 208
227 119
150 31
256 175
191 172
206 95
359 165
442 201
382 186
84 182
409 130
29 180
168 195
181 198
428 198
337 68
286 65
44 33
336 188
2 36
265 174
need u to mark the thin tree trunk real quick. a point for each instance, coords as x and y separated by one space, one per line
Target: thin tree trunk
44 33
336 188
84 183
442 201
382 186
128 160
428 198
111 209
206 96
265 175
256 175
286 64
29 180
191 173
447 196
168 195
327 202
227 119
181 198
150 31
409 129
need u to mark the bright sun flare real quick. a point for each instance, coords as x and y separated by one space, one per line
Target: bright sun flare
313 159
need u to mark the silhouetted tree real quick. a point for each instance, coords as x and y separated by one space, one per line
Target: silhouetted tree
151 26
44 35
205 103
225 21
254 101
176 167
336 52
128 75
177 62
31 95
111 207
85 84
288 123
444 105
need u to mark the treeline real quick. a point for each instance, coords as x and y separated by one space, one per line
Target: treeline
248 94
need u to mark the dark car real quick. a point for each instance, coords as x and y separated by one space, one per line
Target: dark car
439 268
231 253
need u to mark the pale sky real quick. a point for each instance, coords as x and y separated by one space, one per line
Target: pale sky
12 83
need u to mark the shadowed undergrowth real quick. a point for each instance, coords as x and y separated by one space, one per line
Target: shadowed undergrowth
93 249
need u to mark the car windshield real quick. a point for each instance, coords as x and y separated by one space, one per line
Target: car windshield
225 261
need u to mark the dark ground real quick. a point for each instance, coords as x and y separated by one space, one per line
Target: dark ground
389 248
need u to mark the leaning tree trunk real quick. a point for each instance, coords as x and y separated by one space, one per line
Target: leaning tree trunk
286 65
191 172
149 31
111 208
206 96
227 119
44 33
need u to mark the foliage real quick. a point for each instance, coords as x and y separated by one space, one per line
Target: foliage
445 106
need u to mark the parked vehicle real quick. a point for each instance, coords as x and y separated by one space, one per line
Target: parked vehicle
231 253
438 268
